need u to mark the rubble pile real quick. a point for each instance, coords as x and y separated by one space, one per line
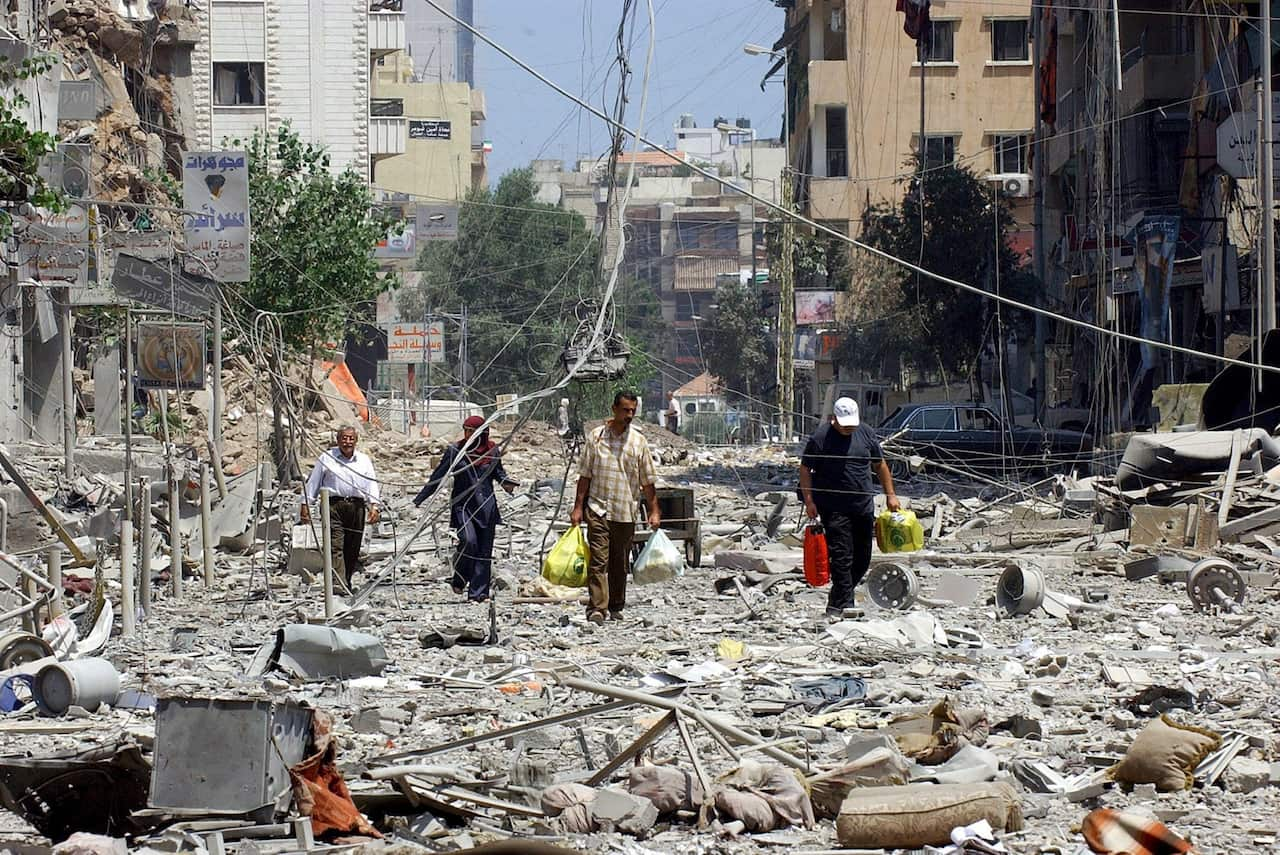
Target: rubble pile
1062 667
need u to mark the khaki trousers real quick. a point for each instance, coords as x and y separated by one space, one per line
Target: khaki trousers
610 544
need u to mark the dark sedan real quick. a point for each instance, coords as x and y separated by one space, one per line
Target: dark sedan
971 437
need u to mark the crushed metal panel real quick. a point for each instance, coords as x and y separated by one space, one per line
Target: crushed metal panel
94 791
226 755
1155 526
313 652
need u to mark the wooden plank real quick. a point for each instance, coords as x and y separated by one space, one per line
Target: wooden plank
1251 522
633 750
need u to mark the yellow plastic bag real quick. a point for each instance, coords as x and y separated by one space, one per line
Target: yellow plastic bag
899 531
566 563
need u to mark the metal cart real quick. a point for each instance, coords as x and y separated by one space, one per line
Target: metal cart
679 522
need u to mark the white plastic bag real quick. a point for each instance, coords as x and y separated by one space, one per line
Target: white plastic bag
659 561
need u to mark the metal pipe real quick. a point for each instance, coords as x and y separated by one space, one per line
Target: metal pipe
38 581
4 526
1266 177
326 544
175 532
31 617
144 545
53 559
127 609
206 525
737 734
68 394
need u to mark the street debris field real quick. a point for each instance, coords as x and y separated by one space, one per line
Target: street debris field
1073 664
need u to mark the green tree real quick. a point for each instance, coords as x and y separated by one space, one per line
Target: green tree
313 239
961 233
21 148
521 267
737 344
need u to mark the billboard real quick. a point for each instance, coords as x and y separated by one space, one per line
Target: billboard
815 307
436 222
163 285
215 189
170 356
415 342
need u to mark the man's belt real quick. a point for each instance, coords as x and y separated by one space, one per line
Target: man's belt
359 500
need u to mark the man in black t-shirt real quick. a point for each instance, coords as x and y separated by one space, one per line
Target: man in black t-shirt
835 484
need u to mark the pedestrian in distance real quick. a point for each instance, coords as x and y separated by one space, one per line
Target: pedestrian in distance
473 509
672 414
353 501
835 485
615 469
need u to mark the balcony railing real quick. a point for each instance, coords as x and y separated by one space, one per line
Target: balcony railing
837 163
386 28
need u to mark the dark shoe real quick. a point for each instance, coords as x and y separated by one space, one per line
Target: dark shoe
596 617
484 599
835 614
615 615
459 589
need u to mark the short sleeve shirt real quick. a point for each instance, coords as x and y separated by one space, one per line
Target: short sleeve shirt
618 467
841 468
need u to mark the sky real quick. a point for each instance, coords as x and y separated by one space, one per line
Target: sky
699 67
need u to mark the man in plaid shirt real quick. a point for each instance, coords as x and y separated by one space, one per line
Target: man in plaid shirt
615 469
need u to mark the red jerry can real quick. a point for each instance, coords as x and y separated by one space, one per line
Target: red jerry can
817 567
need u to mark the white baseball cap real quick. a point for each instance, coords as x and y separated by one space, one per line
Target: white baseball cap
846 412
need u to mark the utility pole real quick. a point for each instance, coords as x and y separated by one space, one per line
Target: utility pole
1041 373
215 414
786 316
1267 177
68 391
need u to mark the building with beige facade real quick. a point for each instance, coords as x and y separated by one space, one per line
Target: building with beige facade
439 161
855 94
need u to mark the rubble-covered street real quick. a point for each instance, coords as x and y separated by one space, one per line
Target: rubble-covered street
1039 659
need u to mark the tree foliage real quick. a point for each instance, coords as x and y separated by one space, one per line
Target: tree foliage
313 239
737 344
521 267
21 148
961 233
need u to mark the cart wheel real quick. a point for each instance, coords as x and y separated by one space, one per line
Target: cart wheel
693 551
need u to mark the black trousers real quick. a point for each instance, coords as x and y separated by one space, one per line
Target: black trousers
849 553
473 564
346 525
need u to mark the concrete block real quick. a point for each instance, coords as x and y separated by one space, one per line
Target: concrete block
1244 775
624 812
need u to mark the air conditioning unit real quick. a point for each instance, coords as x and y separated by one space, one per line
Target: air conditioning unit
1015 184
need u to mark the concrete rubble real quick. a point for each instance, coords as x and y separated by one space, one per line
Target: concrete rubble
1057 648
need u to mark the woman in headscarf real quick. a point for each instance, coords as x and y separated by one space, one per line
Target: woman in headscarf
474 513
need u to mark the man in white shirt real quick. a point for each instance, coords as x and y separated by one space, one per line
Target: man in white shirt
353 499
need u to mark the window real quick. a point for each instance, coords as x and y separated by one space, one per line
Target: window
1009 41
933 418
977 419
239 84
1011 153
939 151
942 42
837 148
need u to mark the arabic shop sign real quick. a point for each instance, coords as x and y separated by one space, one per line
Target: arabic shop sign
215 190
415 343
1238 142
163 285
430 129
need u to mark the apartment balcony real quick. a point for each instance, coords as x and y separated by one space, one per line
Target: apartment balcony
1155 77
828 82
386 27
477 106
387 135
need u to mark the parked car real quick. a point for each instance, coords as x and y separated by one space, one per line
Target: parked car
972 437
